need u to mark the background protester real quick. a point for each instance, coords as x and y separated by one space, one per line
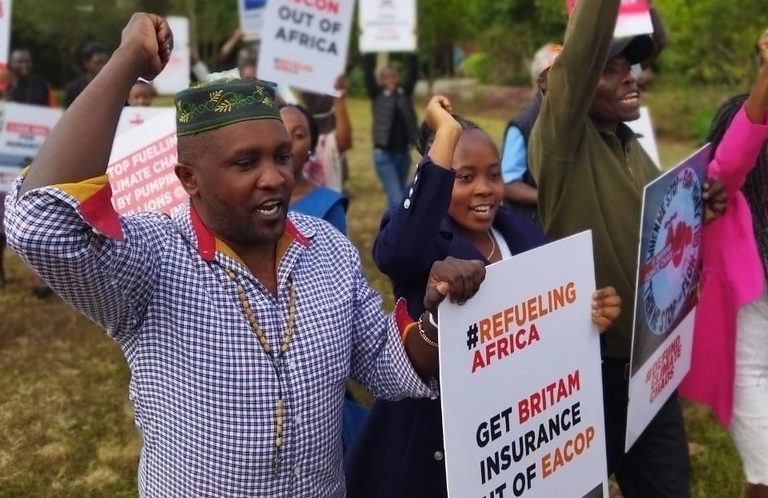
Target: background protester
729 364
27 87
309 198
394 122
591 171
142 94
335 139
93 57
519 186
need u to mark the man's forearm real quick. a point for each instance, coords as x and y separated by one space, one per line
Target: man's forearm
79 146
521 193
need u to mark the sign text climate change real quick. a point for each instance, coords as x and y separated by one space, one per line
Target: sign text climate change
303 32
494 339
145 180
663 369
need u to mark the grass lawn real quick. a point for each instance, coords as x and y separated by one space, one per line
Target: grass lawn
67 427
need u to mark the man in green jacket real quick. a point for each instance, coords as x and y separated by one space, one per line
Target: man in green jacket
591 171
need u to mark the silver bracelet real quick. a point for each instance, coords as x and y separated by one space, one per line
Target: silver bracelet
424 334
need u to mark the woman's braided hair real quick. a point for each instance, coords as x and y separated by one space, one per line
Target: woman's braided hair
755 188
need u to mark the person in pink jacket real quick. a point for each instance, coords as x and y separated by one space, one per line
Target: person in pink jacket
729 366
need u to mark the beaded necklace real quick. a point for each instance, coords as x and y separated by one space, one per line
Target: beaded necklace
275 356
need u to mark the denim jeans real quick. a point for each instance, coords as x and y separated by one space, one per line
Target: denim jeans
392 167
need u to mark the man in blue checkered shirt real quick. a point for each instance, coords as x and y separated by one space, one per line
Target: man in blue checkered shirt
240 324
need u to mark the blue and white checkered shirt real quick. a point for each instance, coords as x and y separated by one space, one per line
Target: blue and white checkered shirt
203 389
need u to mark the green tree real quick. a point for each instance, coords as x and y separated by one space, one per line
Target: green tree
55 31
442 23
510 31
711 41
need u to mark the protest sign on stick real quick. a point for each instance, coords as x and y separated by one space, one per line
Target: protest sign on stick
634 18
251 18
175 76
669 260
387 25
304 43
520 379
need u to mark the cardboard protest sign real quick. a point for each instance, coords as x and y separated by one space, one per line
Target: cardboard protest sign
669 261
141 166
387 25
520 379
634 18
643 127
24 129
251 17
175 76
304 43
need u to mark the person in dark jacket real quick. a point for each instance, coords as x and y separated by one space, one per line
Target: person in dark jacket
453 209
519 186
394 123
93 57
28 88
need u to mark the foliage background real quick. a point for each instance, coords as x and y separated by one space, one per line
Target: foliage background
709 40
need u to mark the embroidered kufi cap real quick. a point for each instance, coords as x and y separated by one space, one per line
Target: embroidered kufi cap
223 102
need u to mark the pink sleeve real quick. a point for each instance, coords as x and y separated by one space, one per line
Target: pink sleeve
738 151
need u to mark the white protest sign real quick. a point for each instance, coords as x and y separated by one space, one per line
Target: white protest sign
643 127
669 261
521 381
141 166
24 129
387 25
634 18
304 43
175 75
251 17
133 117
5 32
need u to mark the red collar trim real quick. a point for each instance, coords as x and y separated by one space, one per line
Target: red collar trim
206 240
294 232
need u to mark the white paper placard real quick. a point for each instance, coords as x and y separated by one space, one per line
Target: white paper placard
175 75
304 44
521 381
251 17
387 25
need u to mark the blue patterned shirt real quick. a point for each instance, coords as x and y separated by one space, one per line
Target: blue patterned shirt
203 390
